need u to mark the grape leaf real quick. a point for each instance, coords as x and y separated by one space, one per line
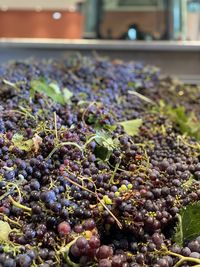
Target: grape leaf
52 90
105 139
4 231
131 127
18 141
186 123
136 84
105 145
188 226
67 95
102 152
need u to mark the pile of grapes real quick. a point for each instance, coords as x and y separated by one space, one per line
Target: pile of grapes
99 165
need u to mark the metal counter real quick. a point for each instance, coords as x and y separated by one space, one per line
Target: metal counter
180 59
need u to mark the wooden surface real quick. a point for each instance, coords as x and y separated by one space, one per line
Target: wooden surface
33 24
152 22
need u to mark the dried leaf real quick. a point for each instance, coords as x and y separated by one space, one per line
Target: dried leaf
4 231
37 141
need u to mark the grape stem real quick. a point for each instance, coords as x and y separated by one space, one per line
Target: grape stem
18 205
85 111
96 195
63 144
65 251
55 126
183 259
6 218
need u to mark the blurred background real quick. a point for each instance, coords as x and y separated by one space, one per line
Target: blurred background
101 19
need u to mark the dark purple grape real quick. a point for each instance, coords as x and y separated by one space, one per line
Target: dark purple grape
104 263
104 252
81 242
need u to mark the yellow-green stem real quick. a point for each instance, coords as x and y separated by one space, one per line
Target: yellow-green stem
18 205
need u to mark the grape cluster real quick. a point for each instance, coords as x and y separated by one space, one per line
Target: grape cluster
75 188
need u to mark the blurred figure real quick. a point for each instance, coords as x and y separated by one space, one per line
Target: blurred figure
109 34
133 33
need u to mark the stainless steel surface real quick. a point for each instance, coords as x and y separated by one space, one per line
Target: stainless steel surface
179 59
101 44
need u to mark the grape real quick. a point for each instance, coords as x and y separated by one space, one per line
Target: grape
104 252
195 255
9 263
24 260
75 251
162 263
64 228
80 186
104 263
89 224
117 261
9 175
48 196
186 251
198 239
94 242
157 239
194 246
81 242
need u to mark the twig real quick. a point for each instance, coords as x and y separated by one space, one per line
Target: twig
142 97
96 195
181 258
83 115
55 126
18 205
64 144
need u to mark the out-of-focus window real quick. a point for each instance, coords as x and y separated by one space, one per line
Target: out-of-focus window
142 19
193 20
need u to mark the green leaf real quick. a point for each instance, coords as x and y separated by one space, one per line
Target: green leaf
83 103
180 113
186 123
83 96
52 90
105 145
131 127
4 231
67 95
105 139
102 152
188 226
92 119
178 236
18 141
135 84
110 127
